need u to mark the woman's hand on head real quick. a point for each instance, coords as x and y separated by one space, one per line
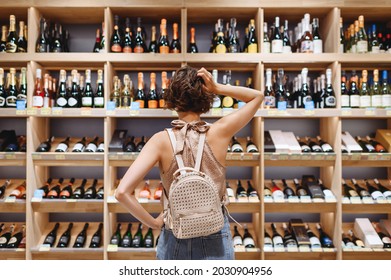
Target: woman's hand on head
210 85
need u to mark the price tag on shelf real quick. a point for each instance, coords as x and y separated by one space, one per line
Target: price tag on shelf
309 105
345 200
279 200
347 249
370 111
112 248
21 112
362 249
71 200
279 249
378 249
292 249
37 197
57 111
31 111
355 200
389 200
216 112
10 155
242 199
268 199
10 199
318 200
374 157
385 157
253 199
381 200
59 157
21 250
317 250
330 199
111 199
143 200
44 248
367 200
239 248
346 111
329 250
281 105
387 249
134 109
110 108
174 113
21 105
251 250
86 111
268 248
45 111
305 199
304 249
293 199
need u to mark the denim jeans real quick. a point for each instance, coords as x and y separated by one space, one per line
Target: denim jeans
217 246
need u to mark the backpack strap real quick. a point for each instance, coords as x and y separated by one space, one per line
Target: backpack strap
200 150
178 157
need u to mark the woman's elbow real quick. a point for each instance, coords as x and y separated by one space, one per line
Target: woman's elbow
119 194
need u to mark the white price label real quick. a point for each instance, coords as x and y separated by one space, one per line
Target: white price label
10 199
293 249
111 198
279 249
367 200
316 249
268 199
381 200
44 248
304 249
279 200
330 199
112 248
345 200
293 199
305 199
355 200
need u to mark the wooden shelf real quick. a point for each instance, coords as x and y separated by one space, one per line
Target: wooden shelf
12 159
310 159
367 159
300 207
68 205
371 254
68 159
365 113
12 254
14 206
66 112
298 113
300 255
374 208
67 254
9 112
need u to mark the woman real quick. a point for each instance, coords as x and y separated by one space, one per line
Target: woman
190 94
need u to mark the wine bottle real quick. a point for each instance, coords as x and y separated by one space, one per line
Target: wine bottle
240 191
163 89
288 191
192 45
20 191
175 46
79 191
81 237
304 147
63 146
139 45
57 43
148 240
300 190
51 237
158 191
236 147
137 240
100 193
267 240
145 192
152 94
73 96
375 193
251 191
116 237
379 148
96 48
127 92
237 238
63 242
54 192
96 240
362 43
266 40
128 38
10 100
288 238
11 45
360 190
270 99
92 145
326 147
276 237
164 44
79 146
45 188
127 237
116 39
248 240
101 147
3 93
326 191
385 90
367 147
6 236
354 93
317 40
99 93
348 190
87 93
16 239
277 193
229 190
314 240
3 41
348 243
277 37
252 40
140 95
357 241
140 144
130 146
42 45
386 192
307 43
3 187
67 191
219 44
315 148
250 146
384 238
115 95
90 193
325 239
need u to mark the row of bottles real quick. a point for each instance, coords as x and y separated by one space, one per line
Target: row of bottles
305 39
281 94
241 194
81 238
314 145
61 190
12 88
136 42
246 240
53 37
84 145
368 145
10 142
130 146
12 42
355 39
13 236
297 234
145 192
364 92
236 147
358 191
74 91
19 190
368 239
136 240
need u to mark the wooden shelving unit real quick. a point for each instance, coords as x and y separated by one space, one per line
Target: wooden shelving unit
38 123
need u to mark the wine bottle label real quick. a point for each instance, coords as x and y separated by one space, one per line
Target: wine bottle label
387 194
341 47
375 49
221 48
277 241
376 194
49 240
326 147
136 242
315 243
62 147
252 148
355 100
101 147
165 49
78 147
37 101
360 243
152 104
302 192
386 100
277 46
270 101
127 49
91 147
370 147
11 101
80 239
63 240
138 49
61 102
216 102
330 101
237 241
86 101
144 194
252 48
158 194
268 241
3 240
125 101
278 194
95 239
162 103
316 147
353 48
286 49
248 242
307 46
318 46
41 48
328 193
362 46
353 193
386 240
52 193
267 192
12 240
126 241
148 242
228 102
10 47
237 148
98 101
305 148
141 102
364 193
15 193
253 194
2 101
376 100
46 102
72 101
266 47
230 192
365 101
345 100
65 193
116 48
114 240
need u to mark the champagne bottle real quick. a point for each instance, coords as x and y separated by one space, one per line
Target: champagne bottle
315 148
276 237
300 190
67 191
314 240
237 238
99 93
267 241
90 193
140 145
11 45
57 43
45 188
248 240
277 37
137 240
63 146
116 39
54 192
236 147
220 44
3 93
379 148
51 237
304 147
79 191
326 147
127 92
192 45
140 95
325 239
79 146
73 97
128 38
116 237
100 193
13 92
42 45
270 99
87 93
362 44
3 187
288 238
115 95
20 191
96 48
148 239
139 45
65 237
375 193
130 146
16 239
6 236
347 241
164 44
175 46
252 46
152 94
127 237
240 191
81 237
96 240
229 190
145 192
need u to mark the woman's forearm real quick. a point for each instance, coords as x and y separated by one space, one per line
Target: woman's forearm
244 94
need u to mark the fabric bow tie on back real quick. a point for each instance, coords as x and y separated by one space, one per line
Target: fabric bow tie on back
199 126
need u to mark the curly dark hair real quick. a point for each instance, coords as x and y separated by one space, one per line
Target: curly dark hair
185 92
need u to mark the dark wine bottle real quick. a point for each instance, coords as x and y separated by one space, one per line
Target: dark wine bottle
267 241
42 41
116 40
348 190
92 145
366 147
314 240
379 148
251 191
250 146
325 239
6 236
248 240
304 147
46 145
45 187
81 237
360 190
326 147
357 241
79 191
65 237
192 45
63 146
3 187
67 191
79 146
130 146
288 238
300 190
315 148
116 237
240 191
375 193
237 238
140 144
100 193
347 241
153 47
127 237
384 238
96 240
51 237
128 38
386 192
16 238
148 239
137 240
288 191
55 191
236 147
90 193
96 48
